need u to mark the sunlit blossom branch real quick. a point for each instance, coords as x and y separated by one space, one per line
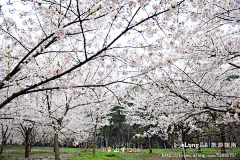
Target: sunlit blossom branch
15 39
18 68
24 91
80 86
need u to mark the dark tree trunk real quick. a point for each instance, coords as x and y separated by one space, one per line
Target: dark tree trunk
172 140
94 136
4 139
2 146
56 146
229 138
223 149
27 136
198 140
101 137
149 145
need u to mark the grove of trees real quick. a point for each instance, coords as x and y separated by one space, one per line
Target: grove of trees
118 73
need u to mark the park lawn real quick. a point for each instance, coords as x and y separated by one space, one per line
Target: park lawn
12 152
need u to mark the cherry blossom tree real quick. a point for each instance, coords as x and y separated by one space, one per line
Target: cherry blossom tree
30 133
95 112
198 61
6 131
73 110
27 121
69 38
70 44
183 54
196 70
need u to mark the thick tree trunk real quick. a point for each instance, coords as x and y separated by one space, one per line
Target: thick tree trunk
56 146
27 136
2 145
94 137
101 137
172 140
223 149
149 145
2 140
198 140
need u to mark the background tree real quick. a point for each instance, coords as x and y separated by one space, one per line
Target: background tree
6 131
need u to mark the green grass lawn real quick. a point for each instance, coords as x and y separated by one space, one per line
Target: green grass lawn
12 152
